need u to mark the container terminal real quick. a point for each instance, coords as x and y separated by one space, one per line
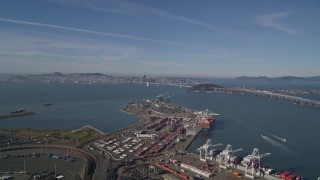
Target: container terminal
156 148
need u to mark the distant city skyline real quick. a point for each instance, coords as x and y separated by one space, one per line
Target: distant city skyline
173 38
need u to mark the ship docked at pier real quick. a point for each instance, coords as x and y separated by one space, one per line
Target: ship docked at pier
207 123
206 118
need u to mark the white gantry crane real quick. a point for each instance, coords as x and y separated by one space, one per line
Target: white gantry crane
204 150
226 155
207 112
252 163
190 129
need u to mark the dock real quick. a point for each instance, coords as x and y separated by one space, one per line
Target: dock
159 142
185 144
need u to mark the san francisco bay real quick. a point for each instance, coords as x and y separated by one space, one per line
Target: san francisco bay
242 120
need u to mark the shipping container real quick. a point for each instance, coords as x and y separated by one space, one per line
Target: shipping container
285 174
291 177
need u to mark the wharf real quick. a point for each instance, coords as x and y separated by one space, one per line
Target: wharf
188 141
154 146
159 142
219 173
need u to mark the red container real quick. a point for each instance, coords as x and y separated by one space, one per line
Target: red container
291 177
285 174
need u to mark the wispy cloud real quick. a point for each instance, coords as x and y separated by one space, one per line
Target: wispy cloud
139 8
88 31
220 55
136 9
36 49
273 21
32 54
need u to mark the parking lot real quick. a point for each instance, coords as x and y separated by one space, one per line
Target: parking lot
51 163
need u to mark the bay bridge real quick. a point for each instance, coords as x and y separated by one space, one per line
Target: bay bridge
268 94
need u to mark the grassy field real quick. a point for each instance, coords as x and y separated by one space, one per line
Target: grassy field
58 136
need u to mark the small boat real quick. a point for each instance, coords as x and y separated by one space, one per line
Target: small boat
18 111
47 104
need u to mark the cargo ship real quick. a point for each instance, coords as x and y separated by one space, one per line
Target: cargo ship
207 123
206 118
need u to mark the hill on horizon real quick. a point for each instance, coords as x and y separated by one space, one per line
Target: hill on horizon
279 79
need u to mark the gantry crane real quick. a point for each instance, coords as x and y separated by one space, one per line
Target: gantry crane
207 112
252 162
190 129
226 155
204 150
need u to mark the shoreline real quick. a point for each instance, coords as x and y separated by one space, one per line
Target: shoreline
13 115
129 132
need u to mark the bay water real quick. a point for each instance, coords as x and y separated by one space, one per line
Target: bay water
242 120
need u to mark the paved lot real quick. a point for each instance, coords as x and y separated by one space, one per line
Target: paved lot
34 163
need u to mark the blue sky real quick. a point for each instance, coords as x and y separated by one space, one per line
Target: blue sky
207 38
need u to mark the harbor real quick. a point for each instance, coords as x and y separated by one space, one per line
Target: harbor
162 135
157 147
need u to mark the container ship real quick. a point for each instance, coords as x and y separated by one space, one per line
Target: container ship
206 118
207 123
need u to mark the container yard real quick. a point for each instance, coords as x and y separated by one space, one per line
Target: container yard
158 146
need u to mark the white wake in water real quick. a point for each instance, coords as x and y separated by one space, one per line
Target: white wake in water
271 141
280 138
261 130
278 145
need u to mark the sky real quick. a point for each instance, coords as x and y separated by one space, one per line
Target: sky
206 38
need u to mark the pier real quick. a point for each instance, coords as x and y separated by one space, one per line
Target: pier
158 142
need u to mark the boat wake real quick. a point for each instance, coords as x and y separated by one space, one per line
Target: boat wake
278 145
281 139
271 141
266 132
